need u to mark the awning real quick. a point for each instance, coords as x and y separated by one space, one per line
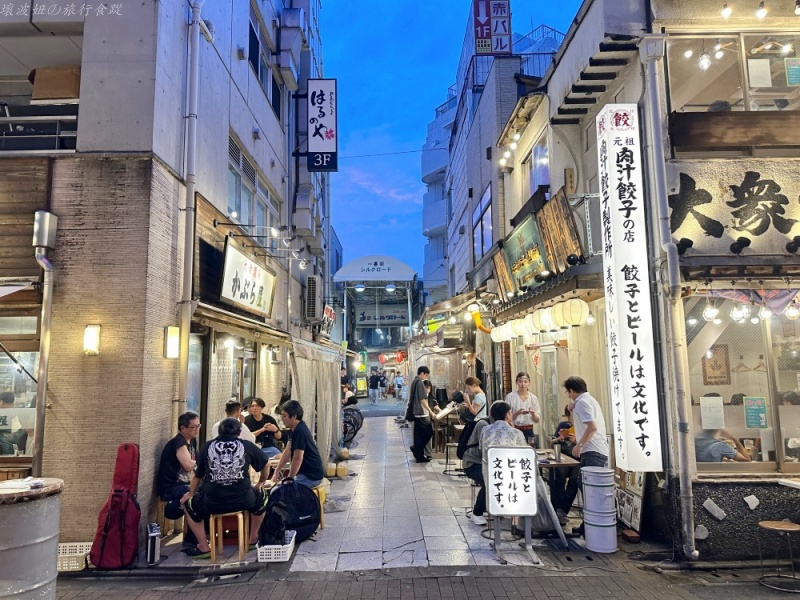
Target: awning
223 320
316 352
11 285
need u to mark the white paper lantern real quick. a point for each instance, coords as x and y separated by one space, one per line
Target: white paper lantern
536 320
575 311
496 335
557 314
530 324
518 327
506 332
547 320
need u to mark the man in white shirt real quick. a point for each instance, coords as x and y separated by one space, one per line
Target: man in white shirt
591 447
233 410
399 382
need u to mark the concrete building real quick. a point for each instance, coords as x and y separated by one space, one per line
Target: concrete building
93 112
700 108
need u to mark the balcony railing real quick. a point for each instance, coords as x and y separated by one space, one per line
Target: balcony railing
38 129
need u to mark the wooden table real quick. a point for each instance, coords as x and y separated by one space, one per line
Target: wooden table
566 461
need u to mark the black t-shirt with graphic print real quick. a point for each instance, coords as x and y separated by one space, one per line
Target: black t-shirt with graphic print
224 466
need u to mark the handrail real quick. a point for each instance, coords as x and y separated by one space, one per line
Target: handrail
38 119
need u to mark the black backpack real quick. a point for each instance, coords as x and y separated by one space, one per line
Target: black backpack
301 505
463 441
273 528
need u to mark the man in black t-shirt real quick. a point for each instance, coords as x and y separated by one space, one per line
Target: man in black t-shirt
374 379
223 465
176 466
301 451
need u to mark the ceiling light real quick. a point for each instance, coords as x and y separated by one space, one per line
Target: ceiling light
793 310
717 321
709 354
786 48
692 321
764 312
726 11
359 287
513 145
516 135
496 301
507 154
718 45
710 312
688 54
473 307
705 61
719 54
452 320
390 287
762 10
502 162
510 294
467 317
797 7
590 319
754 320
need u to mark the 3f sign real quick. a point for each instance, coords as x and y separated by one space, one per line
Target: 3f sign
322 161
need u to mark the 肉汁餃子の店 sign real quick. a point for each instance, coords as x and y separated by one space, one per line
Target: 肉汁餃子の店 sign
245 283
626 279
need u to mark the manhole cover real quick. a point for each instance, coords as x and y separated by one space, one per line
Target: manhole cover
220 580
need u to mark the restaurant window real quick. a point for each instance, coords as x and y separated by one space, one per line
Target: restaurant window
482 226
18 372
743 363
723 73
537 165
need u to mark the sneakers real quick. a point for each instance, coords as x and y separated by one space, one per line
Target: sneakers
424 460
478 519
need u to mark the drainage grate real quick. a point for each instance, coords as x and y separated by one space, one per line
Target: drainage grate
726 577
576 556
220 580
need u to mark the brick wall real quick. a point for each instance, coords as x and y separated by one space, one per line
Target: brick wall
116 264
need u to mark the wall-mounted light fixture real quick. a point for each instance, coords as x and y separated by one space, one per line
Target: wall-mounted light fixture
793 246
683 245
574 259
740 244
172 341
726 11
390 287
542 276
761 12
359 287
91 340
797 7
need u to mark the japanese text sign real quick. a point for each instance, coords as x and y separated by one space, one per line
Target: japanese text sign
323 140
755 412
368 315
492 26
511 487
627 282
245 283
525 254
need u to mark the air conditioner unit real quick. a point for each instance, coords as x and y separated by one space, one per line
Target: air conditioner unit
313 306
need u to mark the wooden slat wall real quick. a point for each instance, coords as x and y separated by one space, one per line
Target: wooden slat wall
23 191
720 130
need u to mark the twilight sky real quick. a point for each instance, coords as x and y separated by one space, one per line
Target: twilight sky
394 60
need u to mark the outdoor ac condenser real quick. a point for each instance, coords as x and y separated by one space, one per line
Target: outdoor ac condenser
313 305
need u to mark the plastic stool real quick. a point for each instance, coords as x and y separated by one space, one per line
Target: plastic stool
320 492
779 581
216 533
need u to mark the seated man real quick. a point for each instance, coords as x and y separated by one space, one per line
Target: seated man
223 465
233 410
564 480
473 468
175 468
306 465
710 448
499 434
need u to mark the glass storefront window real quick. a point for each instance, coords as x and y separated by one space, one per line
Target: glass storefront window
18 408
743 370
704 74
17 326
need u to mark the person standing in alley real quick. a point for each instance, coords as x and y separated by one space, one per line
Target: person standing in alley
591 447
525 408
374 378
475 398
418 407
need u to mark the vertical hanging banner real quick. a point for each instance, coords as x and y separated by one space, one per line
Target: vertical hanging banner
626 277
323 141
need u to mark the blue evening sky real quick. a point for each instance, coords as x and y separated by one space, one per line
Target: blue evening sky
394 60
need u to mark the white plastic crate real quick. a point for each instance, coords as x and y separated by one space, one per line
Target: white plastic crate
71 556
277 553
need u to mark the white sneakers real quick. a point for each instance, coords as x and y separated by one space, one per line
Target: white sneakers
478 520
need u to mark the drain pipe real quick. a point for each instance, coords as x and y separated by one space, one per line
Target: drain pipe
186 303
44 237
651 50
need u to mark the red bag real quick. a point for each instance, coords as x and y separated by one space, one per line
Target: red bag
116 541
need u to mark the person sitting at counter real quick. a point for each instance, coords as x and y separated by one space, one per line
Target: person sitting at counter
264 427
710 445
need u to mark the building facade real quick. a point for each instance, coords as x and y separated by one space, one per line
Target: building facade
686 130
94 113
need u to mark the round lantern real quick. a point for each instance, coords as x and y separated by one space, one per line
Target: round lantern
382 359
496 334
557 315
576 312
547 320
530 325
508 334
536 320
399 356
518 327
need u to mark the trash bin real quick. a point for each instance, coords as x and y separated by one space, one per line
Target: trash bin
599 509
29 524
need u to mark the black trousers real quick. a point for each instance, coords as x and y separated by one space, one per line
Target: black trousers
475 472
423 432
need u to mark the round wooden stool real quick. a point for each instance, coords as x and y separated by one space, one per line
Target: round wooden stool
779 580
216 533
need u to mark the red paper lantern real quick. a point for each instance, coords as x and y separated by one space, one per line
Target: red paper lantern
400 356
382 359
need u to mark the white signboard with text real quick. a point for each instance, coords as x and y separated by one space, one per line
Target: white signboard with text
323 140
511 486
246 284
368 315
626 277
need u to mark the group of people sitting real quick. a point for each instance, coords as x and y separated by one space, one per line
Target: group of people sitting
217 478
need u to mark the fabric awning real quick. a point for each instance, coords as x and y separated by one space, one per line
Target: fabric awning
234 324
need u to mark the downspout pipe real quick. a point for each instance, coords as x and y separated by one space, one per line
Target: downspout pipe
44 359
651 51
186 303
